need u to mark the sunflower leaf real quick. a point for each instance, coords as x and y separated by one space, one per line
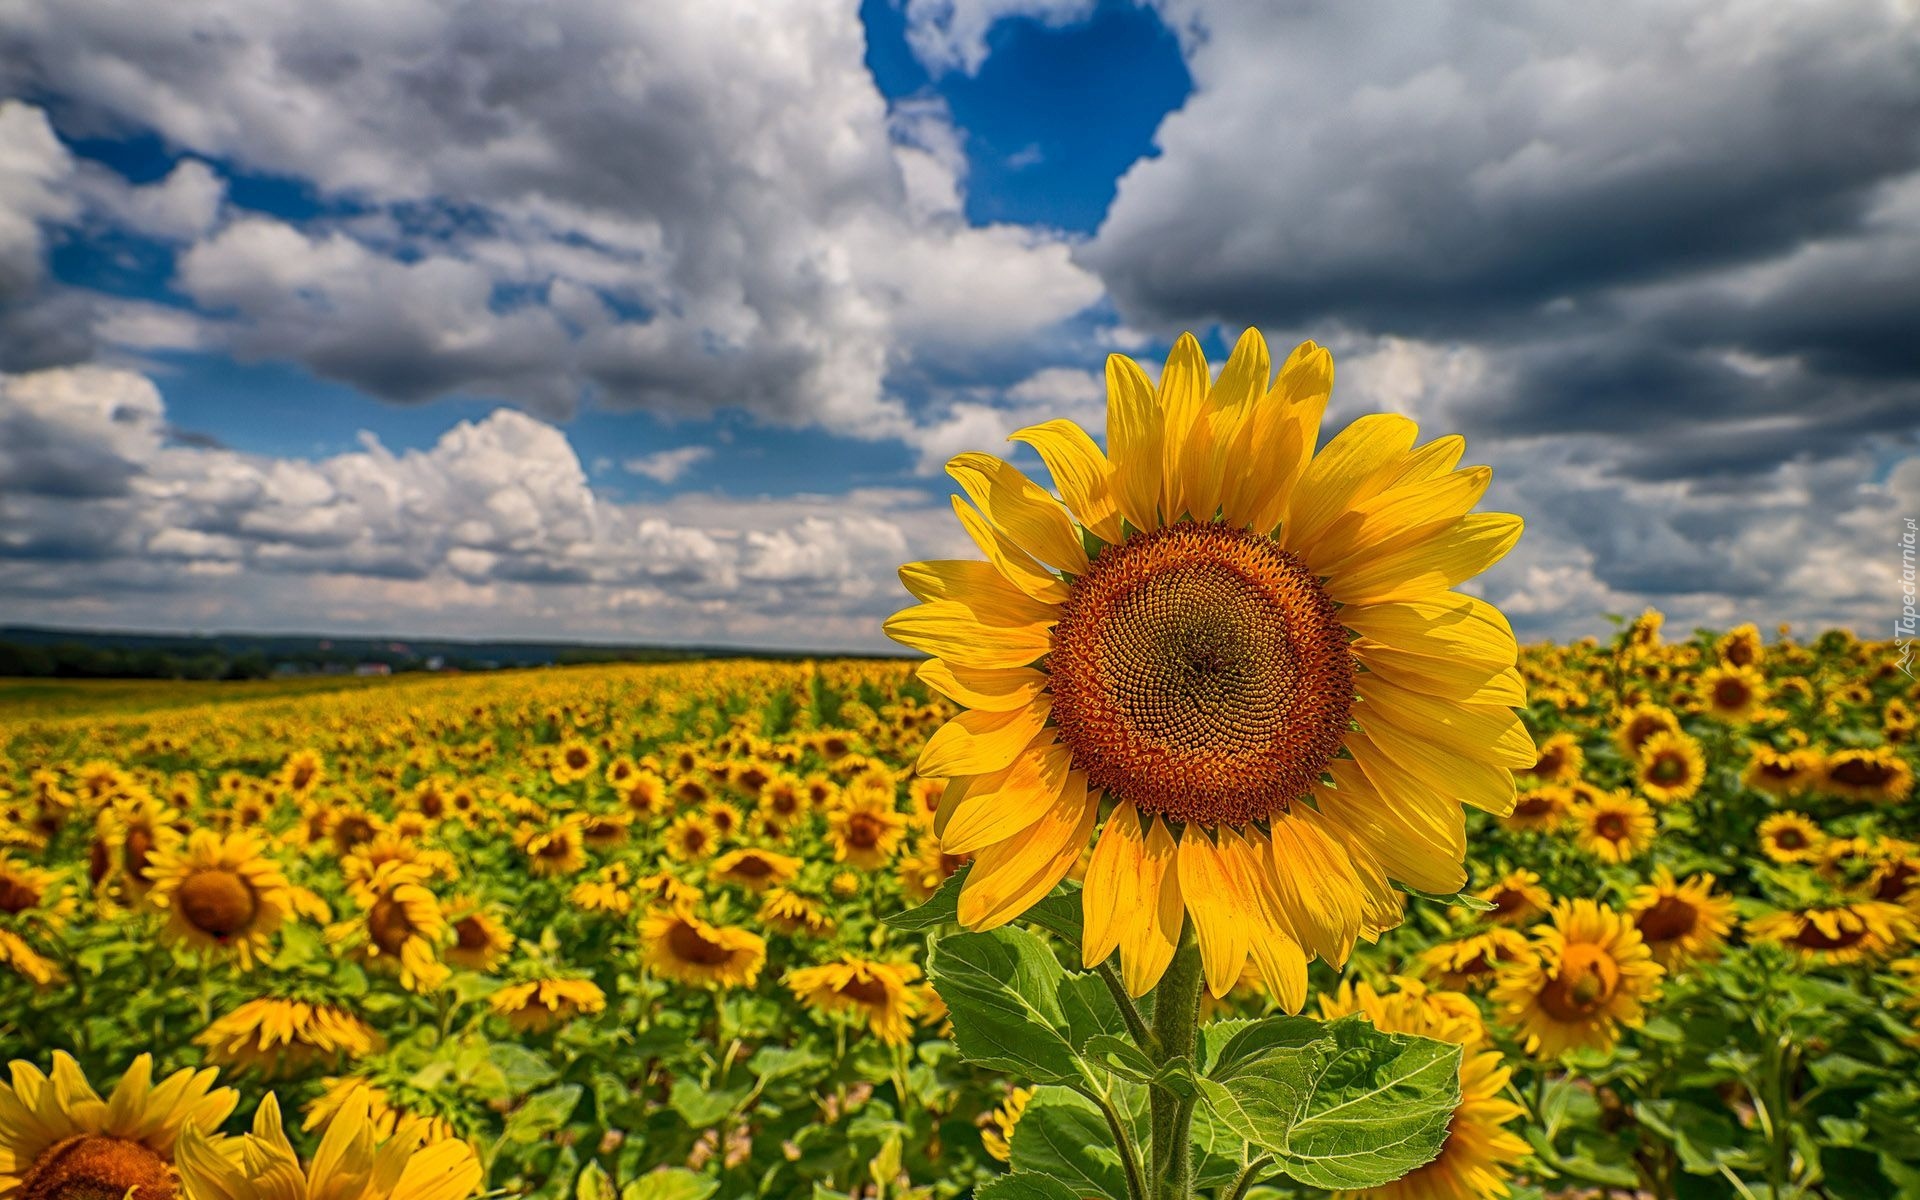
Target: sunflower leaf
1003 990
1064 1136
1464 900
1028 1185
941 908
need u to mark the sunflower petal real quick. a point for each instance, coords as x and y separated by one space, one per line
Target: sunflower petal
1220 901
1010 876
1021 509
950 630
1080 471
995 690
1134 438
1013 563
1005 802
1430 565
975 743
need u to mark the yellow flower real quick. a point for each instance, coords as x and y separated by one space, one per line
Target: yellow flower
692 837
1781 772
555 850
59 1139
998 1138
1733 693
1614 827
1473 960
541 1004
791 913
1671 767
608 891
1559 760
1476 1160
222 895
881 992
1878 775
1790 837
1542 808
340 1094
1587 974
1641 722
24 960
929 866
1680 921
402 928
1225 617
756 870
271 1036
1517 897
480 941
351 1163
572 762
682 947
864 828
1854 931
302 772
127 833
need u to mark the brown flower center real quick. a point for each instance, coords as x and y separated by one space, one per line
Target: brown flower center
1201 672
863 831
752 866
1860 772
1584 983
869 992
92 1166
388 925
217 902
1730 694
1669 919
1667 769
1611 825
17 895
690 945
470 933
1812 937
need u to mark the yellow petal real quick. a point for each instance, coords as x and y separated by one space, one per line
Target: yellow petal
1134 438
1010 876
1111 886
1015 564
1356 464
1021 509
1152 932
1457 776
950 630
1229 405
1317 892
979 586
1420 842
1487 732
1395 518
1183 393
976 742
1451 627
1080 473
977 687
1004 802
1463 680
1220 902
1434 564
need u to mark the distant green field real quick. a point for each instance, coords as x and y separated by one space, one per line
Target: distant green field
22 699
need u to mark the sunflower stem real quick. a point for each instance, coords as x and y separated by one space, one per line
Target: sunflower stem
1129 1011
1176 1026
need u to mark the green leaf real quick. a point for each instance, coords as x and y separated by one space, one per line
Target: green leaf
1002 990
1353 1108
593 1183
1456 900
520 1067
1064 1135
543 1113
1032 1187
941 908
702 1107
670 1183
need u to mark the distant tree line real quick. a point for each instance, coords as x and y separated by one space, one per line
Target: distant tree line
77 660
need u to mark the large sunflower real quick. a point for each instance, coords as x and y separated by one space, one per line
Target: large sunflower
58 1138
1246 654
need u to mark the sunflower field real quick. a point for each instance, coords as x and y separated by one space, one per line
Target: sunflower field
652 932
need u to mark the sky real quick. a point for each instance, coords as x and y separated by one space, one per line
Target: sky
656 323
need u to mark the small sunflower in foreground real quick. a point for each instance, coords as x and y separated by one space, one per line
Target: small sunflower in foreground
401 928
59 1139
1781 772
1733 693
556 849
881 992
480 939
538 1005
691 837
1588 973
1614 827
1680 921
344 1093
864 828
351 1163
1479 1154
1847 932
1791 837
680 946
273 1036
1642 722
1671 767
997 1137
1211 621
222 894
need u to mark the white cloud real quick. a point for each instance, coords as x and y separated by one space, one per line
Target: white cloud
667 466
951 35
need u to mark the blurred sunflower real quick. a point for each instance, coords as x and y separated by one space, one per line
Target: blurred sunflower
1542 808
1473 960
754 869
1642 722
1559 760
222 895
1479 1154
1780 772
273 1036
1614 827
557 849
540 1004
880 992
1878 775
351 1163
609 891
1845 932
691 837
864 828
1517 897
790 913
1732 693
341 1094
1234 618
997 1136
923 871
572 762
1680 921
1741 646
1790 837
401 928
480 940
1587 974
60 1141
1670 767
680 946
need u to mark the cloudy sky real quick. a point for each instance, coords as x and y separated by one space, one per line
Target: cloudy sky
654 322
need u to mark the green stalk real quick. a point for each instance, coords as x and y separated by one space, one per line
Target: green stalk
1176 1027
